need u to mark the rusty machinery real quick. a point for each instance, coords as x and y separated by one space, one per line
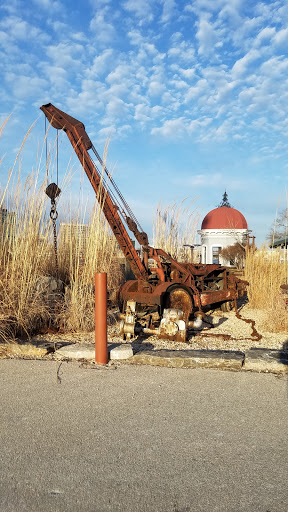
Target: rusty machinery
166 297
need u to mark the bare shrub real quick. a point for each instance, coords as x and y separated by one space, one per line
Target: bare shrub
234 254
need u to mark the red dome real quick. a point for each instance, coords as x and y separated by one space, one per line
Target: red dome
224 218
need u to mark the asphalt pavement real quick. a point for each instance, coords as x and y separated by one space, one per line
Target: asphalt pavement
140 438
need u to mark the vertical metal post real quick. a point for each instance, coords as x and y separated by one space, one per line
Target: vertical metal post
248 243
101 351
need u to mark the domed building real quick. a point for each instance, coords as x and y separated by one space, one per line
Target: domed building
221 227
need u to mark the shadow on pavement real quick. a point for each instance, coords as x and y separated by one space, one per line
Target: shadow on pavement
283 358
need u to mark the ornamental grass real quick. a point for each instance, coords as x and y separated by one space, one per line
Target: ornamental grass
33 294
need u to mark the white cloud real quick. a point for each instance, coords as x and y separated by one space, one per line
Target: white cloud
104 32
241 65
118 74
107 133
24 87
187 73
7 44
50 5
169 7
182 51
205 180
140 8
144 114
117 108
195 91
89 99
274 67
206 36
113 132
96 4
197 124
178 84
66 54
265 34
156 88
281 38
135 37
173 128
56 75
101 63
20 30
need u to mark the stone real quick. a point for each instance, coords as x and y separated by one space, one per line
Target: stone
87 351
191 358
266 360
76 351
123 351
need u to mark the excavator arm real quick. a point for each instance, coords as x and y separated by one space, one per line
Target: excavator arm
81 143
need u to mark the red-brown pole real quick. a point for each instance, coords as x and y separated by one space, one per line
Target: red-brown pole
101 351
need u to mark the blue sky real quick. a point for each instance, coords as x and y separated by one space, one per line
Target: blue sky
193 95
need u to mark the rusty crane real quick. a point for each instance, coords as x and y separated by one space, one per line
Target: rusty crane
166 296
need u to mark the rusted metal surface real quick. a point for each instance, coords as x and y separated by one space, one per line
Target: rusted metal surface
173 325
140 236
101 349
216 296
284 290
179 298
255 334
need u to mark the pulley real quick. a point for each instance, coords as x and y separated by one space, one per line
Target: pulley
52 191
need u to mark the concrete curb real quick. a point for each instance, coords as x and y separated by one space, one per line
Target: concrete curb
191 359
256 360
266 360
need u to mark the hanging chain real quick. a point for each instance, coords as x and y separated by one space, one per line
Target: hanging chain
52 192
54 216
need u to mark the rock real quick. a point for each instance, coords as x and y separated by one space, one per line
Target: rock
48 285
266 360
76 351
123 351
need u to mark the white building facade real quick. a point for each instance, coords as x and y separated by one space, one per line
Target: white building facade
222 227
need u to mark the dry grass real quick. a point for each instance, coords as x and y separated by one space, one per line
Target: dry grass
175 226
24 240
266 272
27 261
78 261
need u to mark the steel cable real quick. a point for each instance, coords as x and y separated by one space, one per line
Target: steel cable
124 202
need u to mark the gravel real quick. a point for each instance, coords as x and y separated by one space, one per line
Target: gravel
223 331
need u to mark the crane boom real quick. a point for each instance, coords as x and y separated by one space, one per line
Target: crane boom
81 143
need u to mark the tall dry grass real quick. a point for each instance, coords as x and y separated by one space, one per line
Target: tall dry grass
174 227
27 261
80 256
266 271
